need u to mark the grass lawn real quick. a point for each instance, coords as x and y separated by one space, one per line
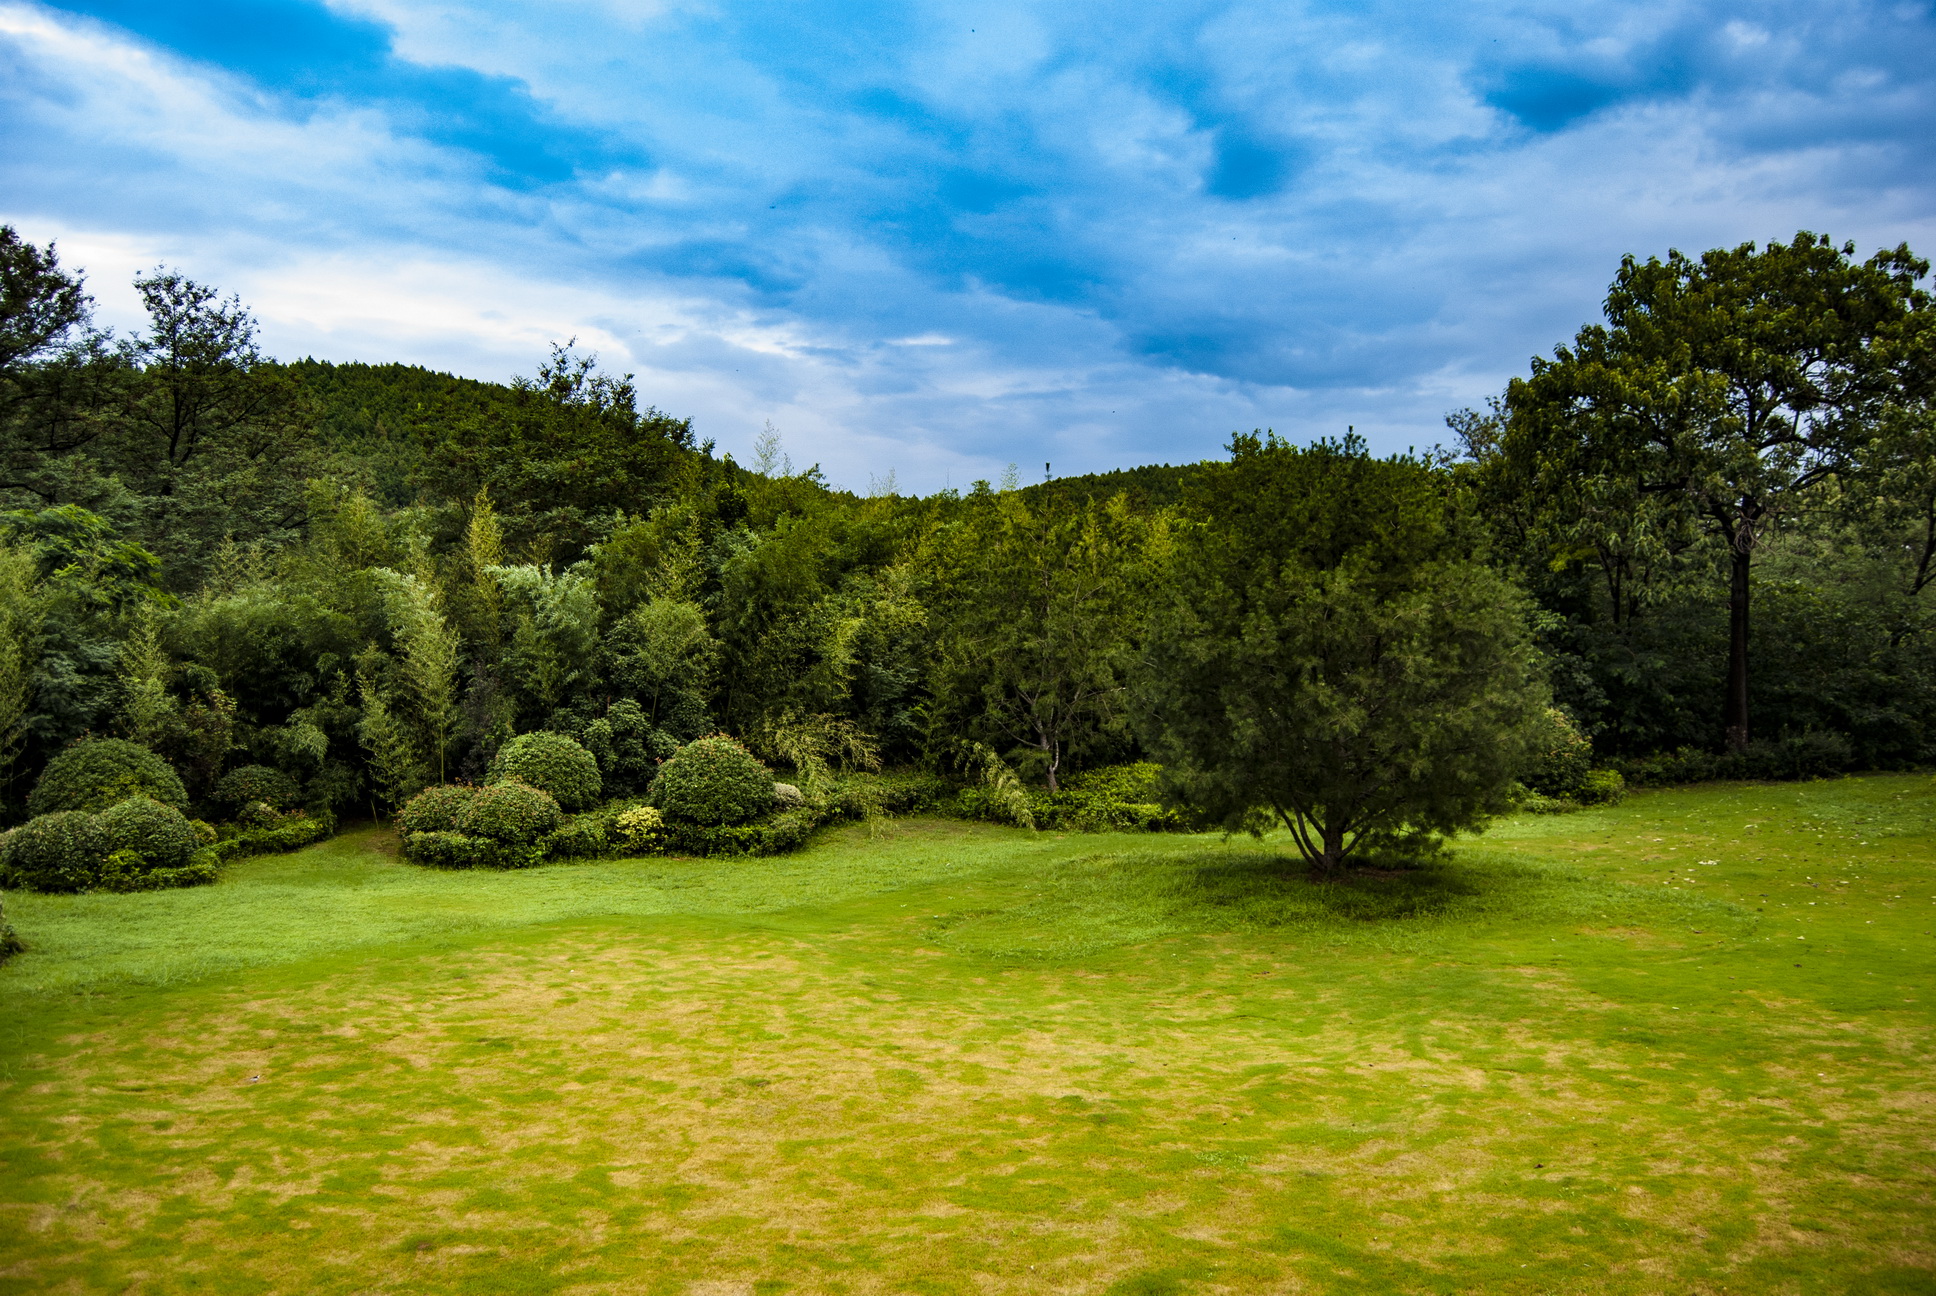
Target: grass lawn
1678 1046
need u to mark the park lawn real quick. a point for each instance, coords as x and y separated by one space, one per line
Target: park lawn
1679 1045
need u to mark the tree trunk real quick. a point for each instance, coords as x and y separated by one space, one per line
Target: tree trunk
1736 715
1332 858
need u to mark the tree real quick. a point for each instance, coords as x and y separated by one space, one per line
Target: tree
55 371
1038 628
1333 657
425 670
1732 386
212 440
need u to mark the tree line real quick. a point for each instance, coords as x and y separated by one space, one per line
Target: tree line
1703 528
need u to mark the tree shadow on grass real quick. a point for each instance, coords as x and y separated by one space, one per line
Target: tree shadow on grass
1105 901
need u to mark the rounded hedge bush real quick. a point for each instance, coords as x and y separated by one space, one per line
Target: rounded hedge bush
553 763
262 783
104 772
435 809
714 781
510 813
62 851
161 835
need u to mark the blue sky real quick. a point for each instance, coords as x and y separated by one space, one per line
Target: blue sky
935 239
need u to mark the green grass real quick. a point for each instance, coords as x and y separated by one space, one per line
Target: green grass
1571 1057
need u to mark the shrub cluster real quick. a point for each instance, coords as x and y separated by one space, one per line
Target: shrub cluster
102 772
271 833
1813 754
784 832
138 844
553 763
502 825
1114 798
713 782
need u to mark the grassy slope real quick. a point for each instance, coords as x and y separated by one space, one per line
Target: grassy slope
956 1059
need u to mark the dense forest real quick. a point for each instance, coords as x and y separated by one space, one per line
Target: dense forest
1702 531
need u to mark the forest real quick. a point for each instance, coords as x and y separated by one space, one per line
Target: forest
253 596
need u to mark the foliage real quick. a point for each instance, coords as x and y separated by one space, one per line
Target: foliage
778 835
440 849
1602 787
1561 758
641 829
275 834
1720 393
161 835
1331 659
586 836
1810 754
713 782
60 851
102 772
510 813
261 783
373 577
552 762
435 809
1114 798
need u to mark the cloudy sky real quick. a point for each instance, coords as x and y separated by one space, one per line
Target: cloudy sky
934 239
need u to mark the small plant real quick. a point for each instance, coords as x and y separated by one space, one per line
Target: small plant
261 783
102 772
1602 787
9 942
714 781
554 763
788 797
642 829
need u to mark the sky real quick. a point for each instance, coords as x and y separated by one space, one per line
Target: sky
925 241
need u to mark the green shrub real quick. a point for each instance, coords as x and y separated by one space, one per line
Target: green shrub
641 829
713 781
788 797
1602 787
553 763
261 783
103 772
1114 798
9 942
127 870
287 832
440 849
510 813
205 833
435 809
1812 754
161 835
778 835
584 836
62 851
1561 758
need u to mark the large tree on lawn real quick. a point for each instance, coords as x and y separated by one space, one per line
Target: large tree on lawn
1730 386
1332 655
